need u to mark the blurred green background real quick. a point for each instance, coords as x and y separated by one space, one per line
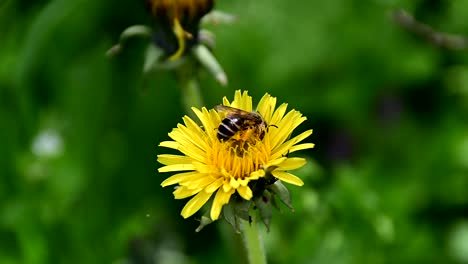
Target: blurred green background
386 183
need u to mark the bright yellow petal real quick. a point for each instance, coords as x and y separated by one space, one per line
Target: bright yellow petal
214 185
283 149
245 192
202 167
253 176
201 182
292 164
227 185
247 102
195 204
285 127
169 144
234 183
188 146
275 162
177 167
193 126
178 178
210 121
266 107
301 136
237 99
244 182
287 177
278 114
257 174
226 101
220 199
301 147
195 134
242 101
168 159
193 178
182 192
196 154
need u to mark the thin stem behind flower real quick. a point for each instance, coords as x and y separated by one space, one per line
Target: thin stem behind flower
191 95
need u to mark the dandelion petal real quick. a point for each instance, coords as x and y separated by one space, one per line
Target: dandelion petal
214 185
276 162
177 178
195 204
184 192
266 106
284 148
201 182
234 183
169 144
287 177
245 192
168 159
257 174
278 114
301 147
292 164
177 167
220 199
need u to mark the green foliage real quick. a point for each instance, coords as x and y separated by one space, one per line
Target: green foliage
386 183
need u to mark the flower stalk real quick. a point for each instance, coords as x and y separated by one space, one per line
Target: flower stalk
191 95
253 243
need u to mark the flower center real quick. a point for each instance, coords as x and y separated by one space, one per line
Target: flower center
238 159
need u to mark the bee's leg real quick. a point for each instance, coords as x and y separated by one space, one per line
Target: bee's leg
271 126
262 134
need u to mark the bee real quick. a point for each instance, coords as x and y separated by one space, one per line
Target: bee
248 124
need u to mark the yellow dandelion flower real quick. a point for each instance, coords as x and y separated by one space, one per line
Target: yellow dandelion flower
225 167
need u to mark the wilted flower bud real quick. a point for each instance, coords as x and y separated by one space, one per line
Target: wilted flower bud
177 23
175 34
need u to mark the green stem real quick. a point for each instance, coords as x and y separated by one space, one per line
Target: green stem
191 96
253 243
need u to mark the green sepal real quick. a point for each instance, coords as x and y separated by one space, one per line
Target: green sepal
217 17
230 217
275 204
130 32
153 56
210 63
263 204
236 210
278 189
204 221
242 208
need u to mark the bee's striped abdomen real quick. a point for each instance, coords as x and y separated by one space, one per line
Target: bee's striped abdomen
229 127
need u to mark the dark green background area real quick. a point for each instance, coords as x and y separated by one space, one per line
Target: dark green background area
386 183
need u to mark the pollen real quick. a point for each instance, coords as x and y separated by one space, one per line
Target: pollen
238 158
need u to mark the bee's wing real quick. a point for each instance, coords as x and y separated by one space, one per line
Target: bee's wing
231 110
225 108
238 112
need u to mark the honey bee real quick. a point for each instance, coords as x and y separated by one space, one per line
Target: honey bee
248 124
